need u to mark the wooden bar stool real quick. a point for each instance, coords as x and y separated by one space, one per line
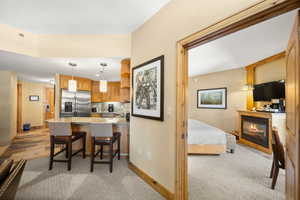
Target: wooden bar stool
61 133
103 135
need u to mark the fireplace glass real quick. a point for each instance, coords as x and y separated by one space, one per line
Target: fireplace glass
256 130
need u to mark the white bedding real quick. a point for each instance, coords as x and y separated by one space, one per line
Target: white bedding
201 133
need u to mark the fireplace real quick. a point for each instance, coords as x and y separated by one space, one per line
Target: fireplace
255 130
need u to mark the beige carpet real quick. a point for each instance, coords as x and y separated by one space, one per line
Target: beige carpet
239 176
38 183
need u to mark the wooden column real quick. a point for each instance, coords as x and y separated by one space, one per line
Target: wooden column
250 82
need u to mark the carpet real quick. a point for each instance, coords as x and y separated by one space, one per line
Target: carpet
38 183
239 176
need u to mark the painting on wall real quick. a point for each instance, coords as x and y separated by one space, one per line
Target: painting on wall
215 98
148 90
34 98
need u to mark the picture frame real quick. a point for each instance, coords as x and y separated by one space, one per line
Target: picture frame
34 98
213 98
148 90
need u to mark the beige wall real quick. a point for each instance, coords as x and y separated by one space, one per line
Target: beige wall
233 80
8 106
152 143
272 71
33 112
64 45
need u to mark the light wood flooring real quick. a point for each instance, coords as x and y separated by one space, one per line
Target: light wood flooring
28 145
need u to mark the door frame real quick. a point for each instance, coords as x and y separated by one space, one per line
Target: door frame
257 13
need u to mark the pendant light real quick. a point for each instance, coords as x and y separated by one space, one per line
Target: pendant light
72 84
102 81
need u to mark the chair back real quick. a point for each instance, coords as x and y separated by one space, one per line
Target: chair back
9 188
60 128
278 150
101 130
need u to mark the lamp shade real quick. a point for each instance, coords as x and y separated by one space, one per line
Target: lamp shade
103 85
72 85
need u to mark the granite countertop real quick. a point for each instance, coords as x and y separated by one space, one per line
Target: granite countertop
89 120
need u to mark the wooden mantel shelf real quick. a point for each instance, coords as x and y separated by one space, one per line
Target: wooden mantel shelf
256 114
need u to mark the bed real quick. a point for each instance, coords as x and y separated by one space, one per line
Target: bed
205 139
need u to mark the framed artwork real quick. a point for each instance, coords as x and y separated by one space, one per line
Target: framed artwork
34 98
215 98
148 90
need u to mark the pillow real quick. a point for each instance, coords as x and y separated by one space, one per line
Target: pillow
5 169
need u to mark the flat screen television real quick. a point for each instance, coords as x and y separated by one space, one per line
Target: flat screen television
269 91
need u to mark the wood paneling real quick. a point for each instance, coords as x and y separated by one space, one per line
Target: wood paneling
293 114
153 183
112 94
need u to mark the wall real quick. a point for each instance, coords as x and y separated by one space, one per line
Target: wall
8 107
64 45
33 112
152 143
233 80
272 71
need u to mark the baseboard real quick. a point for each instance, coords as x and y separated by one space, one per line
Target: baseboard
154 184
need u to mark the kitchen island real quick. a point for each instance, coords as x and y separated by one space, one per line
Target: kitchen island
82 124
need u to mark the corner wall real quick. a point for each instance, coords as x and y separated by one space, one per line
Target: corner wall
37 117
8 107
224 119
152 143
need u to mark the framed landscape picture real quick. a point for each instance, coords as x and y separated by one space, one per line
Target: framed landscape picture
148 90
215 98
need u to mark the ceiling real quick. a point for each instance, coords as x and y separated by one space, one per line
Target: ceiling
242 48
78 16
44 69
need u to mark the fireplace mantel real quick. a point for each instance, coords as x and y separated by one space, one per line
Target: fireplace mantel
273 120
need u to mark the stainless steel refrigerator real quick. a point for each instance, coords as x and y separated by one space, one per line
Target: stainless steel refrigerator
75 104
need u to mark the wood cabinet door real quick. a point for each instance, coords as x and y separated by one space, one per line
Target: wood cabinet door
50 102
64 81
96 95
292 113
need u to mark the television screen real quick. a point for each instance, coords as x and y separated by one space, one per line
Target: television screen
269 91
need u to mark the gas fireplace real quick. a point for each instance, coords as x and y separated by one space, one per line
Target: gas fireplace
255 130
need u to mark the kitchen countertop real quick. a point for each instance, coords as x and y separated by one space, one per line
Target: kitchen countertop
89 120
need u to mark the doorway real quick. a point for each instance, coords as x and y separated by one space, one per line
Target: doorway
256 14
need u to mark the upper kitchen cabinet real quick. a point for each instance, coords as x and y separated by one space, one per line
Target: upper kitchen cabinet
112 94
125 81
83 84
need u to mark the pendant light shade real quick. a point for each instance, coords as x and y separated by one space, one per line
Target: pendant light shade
72 85
103 85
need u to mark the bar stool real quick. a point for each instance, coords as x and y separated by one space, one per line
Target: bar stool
61 133
102 134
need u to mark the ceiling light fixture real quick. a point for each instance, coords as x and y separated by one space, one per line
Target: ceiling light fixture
102 81
72 84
